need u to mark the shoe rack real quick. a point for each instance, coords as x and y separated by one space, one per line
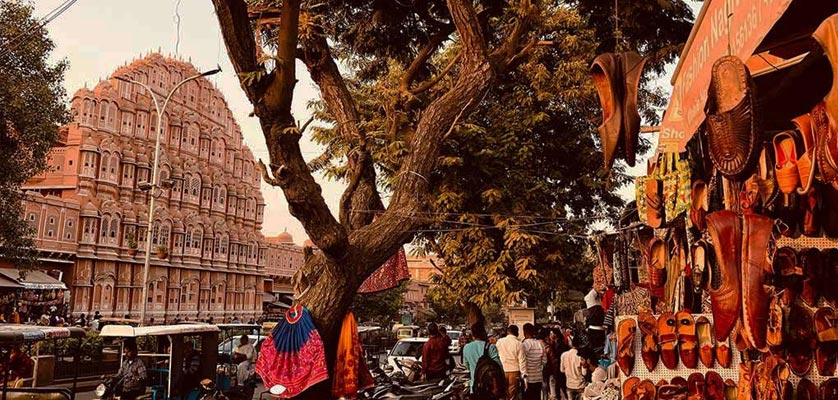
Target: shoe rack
663 373
801 243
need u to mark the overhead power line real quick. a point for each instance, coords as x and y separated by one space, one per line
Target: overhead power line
24 36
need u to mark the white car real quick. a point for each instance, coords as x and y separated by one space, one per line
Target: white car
454 348
406 349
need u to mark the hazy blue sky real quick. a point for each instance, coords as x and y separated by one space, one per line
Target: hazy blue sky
96 36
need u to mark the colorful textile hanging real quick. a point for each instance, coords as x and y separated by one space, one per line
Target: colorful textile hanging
351 373
388 275
293 355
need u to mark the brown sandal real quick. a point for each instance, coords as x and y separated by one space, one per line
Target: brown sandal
649 340
731 124
668 339
625 345
687 339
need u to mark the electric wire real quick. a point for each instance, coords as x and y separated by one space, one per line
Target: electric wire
23 37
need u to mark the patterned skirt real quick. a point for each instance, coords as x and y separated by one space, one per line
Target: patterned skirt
293 355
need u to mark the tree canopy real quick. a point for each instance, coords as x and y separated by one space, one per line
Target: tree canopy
474 120
31 110
519 180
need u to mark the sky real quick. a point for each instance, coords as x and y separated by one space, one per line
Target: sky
97 36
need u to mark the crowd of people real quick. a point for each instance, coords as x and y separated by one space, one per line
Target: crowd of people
548 364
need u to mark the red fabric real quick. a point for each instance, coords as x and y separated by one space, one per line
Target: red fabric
387 276
297 372
607 298
351 373
435 355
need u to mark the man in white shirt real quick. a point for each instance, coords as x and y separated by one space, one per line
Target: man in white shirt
571 366
514 361
536 358
245 355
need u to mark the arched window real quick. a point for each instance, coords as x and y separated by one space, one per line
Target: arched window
224 242
114 230
87 112
113 169
106 221
221 196
141 125
112 117
127 124
103 172
196 186
103 114
155 233
164 234
197 240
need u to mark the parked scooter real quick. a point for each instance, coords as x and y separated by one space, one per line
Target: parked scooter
210 392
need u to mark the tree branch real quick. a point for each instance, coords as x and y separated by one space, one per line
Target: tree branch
271 96
411 190
238 38
423 56
361 191
433 81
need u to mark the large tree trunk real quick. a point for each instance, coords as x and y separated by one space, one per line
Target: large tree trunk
349 250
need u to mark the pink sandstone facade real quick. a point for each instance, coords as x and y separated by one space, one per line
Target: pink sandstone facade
88 204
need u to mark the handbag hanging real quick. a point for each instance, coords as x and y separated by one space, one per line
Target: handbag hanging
674 172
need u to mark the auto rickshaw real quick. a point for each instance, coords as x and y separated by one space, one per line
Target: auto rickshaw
166 359
13 335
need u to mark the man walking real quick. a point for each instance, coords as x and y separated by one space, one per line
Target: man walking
536 358
514 361
571 366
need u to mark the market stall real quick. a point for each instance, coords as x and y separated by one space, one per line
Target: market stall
721 280
30 295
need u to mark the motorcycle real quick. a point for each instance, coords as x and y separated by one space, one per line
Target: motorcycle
210 392
108 388
400 386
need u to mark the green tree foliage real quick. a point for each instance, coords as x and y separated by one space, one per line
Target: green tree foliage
446 305
31 110
381 308
520 180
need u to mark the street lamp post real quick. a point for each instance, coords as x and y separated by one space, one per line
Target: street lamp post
151 188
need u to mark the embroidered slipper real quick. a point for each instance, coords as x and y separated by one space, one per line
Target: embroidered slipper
723 353
785 153
668 339
625 345
706 347
649 340
806 156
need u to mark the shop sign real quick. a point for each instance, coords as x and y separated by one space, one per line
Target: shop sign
728 27
519 316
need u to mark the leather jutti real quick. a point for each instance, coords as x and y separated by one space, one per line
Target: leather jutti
632 69
725 230
827 36
756 237
606 71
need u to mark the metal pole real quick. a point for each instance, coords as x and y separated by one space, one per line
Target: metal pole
155 167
